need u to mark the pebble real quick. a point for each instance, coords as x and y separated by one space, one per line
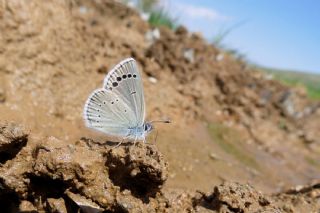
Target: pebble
219 57
213 156
153 80
189 55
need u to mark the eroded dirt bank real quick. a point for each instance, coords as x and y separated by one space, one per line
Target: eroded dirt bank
230 123
48 175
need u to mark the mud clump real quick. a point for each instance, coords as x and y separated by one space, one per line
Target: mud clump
12 139
235 197
52 174
299 198
141 169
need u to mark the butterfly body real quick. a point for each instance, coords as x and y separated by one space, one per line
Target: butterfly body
118 109
140 133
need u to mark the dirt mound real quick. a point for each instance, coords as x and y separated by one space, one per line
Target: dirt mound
230 122
46 175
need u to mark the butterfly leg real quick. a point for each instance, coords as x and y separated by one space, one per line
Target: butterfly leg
123 139
135 140
118 144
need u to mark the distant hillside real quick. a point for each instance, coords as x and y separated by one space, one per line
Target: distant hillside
310 81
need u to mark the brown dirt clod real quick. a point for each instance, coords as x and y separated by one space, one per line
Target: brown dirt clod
140 169
12 138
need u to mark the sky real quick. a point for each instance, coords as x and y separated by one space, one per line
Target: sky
281 34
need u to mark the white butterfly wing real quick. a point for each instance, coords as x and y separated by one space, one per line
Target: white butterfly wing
107 112
125 81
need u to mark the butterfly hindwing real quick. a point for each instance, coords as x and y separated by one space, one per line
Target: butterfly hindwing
125 81
108 113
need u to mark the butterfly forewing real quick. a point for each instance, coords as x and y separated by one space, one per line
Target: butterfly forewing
125 82
109 113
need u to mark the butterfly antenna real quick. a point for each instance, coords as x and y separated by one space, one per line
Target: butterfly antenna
161 121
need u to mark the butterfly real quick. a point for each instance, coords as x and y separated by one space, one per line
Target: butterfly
118 109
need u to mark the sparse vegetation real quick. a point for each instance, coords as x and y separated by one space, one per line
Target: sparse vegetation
220 36
229 141
157 15
147 5
312 161
160 17
311 82
282 125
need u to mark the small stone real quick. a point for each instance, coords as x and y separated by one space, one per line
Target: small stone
27 206
134 172
83 9
153 80
188 54
298 188
213 156
57 205
84 204
145 16
152 35
315 193
219 57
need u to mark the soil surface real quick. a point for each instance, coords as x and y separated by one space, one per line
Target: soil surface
238 142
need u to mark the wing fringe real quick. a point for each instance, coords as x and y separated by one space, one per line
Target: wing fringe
86 107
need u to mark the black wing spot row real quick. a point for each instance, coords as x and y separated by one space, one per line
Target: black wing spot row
114 84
